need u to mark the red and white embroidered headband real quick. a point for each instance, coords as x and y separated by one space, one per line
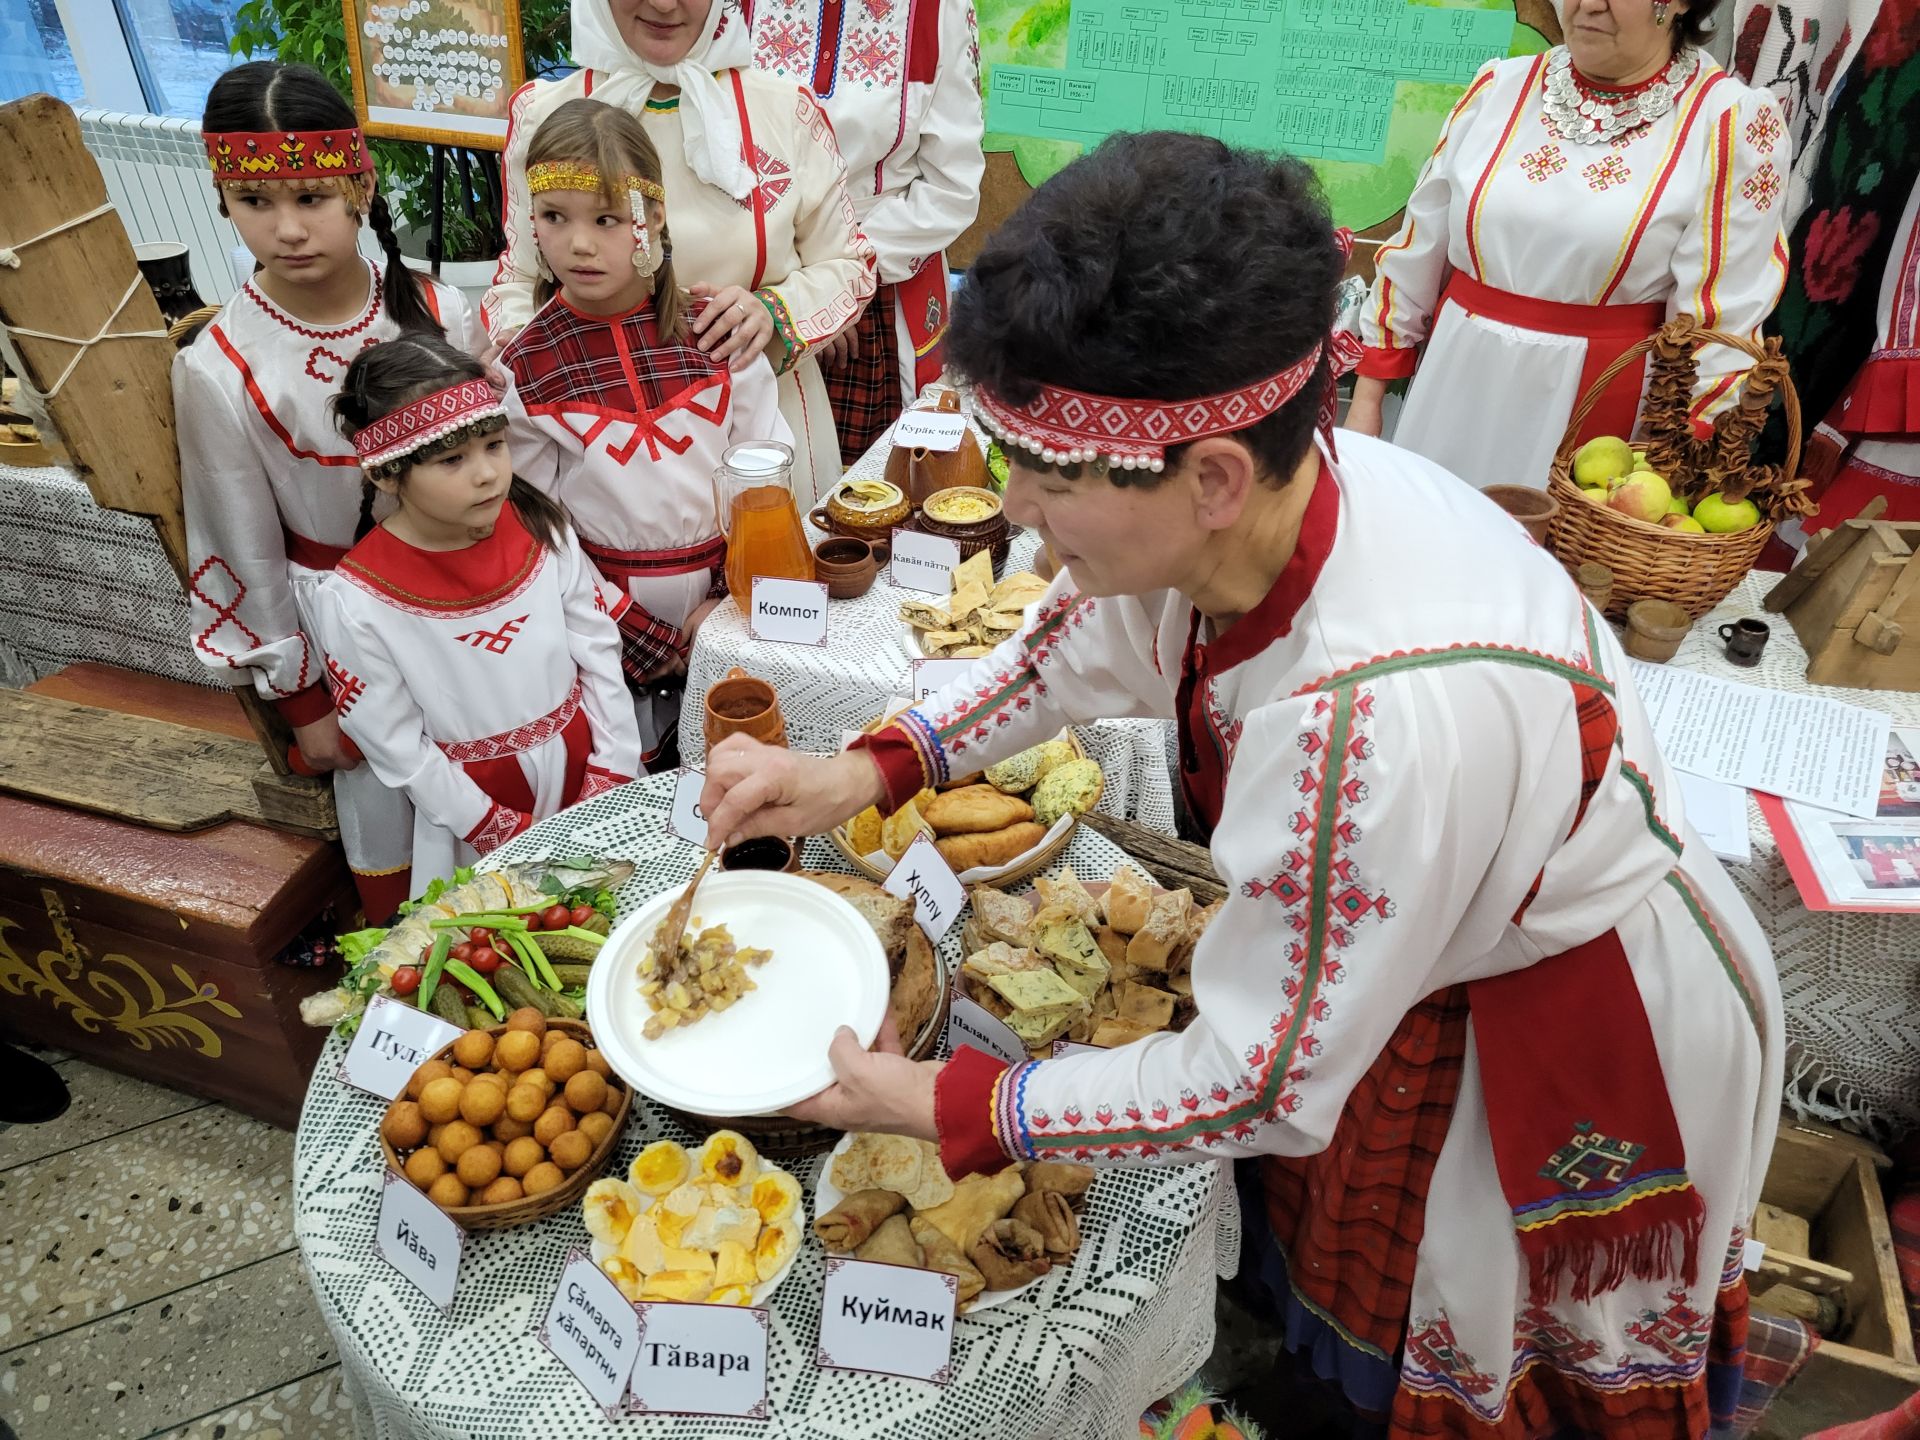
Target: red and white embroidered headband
1067 427
238 155
416 425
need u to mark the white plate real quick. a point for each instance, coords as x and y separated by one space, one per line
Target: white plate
827 1195
769 1049
600 1249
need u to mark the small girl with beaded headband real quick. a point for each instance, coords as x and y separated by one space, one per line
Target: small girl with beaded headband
270 488
615 411
474 662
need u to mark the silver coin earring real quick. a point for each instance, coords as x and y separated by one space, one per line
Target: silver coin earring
1660 8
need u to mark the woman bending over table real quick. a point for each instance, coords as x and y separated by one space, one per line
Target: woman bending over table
1502 1034
1574 203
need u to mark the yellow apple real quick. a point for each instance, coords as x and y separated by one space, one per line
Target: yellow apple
1684 523
1643 495
1604 458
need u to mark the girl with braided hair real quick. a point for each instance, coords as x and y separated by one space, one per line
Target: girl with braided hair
269 487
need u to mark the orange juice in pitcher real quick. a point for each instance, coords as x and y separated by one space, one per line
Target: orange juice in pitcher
758 517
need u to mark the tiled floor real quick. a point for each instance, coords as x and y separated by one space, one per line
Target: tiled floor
149 1284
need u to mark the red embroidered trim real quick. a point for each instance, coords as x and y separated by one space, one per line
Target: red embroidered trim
598 782
287 154
418 424
274 313
518 740
500 826
259 399
228 613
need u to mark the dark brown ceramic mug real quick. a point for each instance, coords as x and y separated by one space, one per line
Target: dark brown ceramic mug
766 852
848 566
1745 639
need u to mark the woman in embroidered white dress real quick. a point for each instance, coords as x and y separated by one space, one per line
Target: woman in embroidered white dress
773 248
1574 202
615 412
477 667
1425 814
269 486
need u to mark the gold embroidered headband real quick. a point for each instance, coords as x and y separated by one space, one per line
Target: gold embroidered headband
573 175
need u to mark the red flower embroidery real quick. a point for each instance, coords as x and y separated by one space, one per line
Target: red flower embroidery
1837 241
1833 57
1746 50
1895 36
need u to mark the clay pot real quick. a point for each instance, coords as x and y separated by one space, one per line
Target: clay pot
848 514
743 705
989 533
1655 629
768 852
1596 583
920 473
848 565
1534 509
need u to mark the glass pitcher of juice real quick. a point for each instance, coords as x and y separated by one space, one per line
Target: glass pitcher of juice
758 517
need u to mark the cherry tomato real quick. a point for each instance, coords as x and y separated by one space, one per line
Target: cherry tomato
462 951
580 914
555 917
479 936
485 960
405 980
533 921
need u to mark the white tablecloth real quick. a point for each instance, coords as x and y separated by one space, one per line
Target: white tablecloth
1081 1354
825 693
1851 987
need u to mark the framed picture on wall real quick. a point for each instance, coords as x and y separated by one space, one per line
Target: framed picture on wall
439 72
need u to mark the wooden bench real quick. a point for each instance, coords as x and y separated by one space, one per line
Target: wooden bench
156 953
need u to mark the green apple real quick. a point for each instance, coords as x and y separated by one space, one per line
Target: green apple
1643 495
1601 459
1596 493
1678 506
1640 460
1685 523
1721 516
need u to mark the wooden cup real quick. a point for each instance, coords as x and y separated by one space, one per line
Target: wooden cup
743 705
1533 508
848 566
1655 629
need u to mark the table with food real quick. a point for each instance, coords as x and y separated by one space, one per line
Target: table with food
623 1042
877 630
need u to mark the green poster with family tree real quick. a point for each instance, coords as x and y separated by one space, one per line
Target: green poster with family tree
1358 88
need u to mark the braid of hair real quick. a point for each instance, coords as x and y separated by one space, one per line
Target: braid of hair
365 525
406 306
669 301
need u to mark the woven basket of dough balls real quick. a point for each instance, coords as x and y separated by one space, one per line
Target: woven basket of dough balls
1653 562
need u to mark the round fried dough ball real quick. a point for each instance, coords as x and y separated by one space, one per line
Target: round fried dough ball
448 1193
404 1126
611 1105
440 1101
528 1019
537 1076
434 1132
523 1154
517 1050
554 1122
473 1049
426 1075
423 1167
479 1167
597 1063
571 1150
482 1104
596 1127
507 1129
458 1138
586 1092
525 1102
542 1178
565 1060
501 1191
462 1074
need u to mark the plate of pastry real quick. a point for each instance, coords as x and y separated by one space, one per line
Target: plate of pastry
734 1017
978 613
718 1225
886 1198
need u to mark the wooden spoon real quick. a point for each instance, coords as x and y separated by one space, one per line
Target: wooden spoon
666 937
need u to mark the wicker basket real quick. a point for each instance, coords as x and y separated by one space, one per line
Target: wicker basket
1651 562
781 1137
537 1207
1048 853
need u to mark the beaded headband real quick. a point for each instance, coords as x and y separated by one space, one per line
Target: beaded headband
1066 427
416 425
287 154
573 175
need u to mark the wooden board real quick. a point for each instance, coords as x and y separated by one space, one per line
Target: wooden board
129 767
1174 864
203 707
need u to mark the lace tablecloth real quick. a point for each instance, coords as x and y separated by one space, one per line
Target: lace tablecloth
1851 987
81 583
825 693
1081 1354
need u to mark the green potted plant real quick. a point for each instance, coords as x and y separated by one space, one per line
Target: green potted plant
313 32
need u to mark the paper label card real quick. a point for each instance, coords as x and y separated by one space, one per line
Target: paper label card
395 1039
1755 1252
419 1239
970 1023
932 675
923 876
687 820
700 1360
887 1320
793 612
931 429
593 1330
923 562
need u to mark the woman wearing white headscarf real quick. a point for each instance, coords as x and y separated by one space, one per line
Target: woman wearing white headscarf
774 249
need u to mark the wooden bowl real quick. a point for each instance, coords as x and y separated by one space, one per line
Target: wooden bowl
536 1207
